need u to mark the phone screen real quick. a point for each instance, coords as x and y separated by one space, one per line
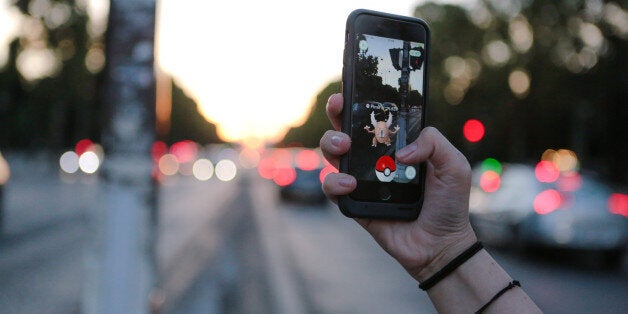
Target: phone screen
387 107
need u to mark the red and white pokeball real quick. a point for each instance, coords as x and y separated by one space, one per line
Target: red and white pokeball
385 169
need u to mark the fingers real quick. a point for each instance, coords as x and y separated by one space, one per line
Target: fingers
334 110
333 145
432 146
337 184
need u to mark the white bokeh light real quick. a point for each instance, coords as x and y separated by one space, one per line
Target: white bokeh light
89 162
203 169
69 162
226 170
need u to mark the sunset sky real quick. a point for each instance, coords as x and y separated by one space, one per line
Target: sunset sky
254 67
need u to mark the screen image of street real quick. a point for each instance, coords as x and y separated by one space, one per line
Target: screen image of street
387 107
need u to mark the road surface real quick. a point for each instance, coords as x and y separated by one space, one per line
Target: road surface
237 248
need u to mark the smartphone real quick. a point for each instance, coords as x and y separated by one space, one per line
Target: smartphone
384 85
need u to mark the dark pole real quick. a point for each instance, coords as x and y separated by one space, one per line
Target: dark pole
403 108
121 268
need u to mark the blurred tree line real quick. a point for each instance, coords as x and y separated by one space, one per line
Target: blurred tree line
50 84
538 74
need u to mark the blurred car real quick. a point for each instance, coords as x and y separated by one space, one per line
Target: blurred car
570 212
305 188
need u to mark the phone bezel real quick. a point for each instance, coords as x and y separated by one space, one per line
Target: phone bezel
369 199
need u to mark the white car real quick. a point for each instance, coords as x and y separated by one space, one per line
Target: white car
571 212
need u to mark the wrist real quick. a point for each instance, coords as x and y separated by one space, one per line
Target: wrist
447 253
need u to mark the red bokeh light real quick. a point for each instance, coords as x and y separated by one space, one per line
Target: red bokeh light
282 157
266 168
569 182
546 171
285 176
83 146
618 204
185 151
547 202
307 160
473 130
159 149
325 171
490 181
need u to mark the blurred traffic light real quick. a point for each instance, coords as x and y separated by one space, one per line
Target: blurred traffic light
473 130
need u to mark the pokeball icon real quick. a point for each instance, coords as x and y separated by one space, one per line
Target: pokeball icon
385 169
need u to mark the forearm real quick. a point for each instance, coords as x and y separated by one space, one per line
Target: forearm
474 283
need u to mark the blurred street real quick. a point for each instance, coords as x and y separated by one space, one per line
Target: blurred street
235 247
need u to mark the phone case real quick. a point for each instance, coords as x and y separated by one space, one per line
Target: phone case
349 206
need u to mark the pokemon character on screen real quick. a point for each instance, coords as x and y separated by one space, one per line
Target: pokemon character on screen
381 129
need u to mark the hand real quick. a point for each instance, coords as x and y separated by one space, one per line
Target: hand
442 230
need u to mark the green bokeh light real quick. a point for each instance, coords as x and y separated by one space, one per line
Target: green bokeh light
492 164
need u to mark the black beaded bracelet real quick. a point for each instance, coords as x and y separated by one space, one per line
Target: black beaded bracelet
449 268
510 285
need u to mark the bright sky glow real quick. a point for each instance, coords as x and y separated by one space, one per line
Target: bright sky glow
255 66
8 27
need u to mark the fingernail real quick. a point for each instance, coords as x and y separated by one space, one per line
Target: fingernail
336 140
406 151
346 182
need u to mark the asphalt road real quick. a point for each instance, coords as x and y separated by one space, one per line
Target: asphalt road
283 257
344 271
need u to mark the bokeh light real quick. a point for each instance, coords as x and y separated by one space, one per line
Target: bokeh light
547 202
203 169
285 176
618 204
307 159
185 151
519 82
83 146
490 181
158 149
249 158
168 164
473 130
5 171
565 160
69 162
89 162
569 181
491 164
546 171
326 170
266 168
496 53
225 170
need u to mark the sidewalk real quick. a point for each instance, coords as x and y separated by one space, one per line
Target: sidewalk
37 196
47 219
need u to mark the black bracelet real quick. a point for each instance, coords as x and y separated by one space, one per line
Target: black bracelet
449 268
499 294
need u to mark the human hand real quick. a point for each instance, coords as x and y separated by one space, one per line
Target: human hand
442 230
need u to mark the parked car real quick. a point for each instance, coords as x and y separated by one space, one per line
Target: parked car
305 188
570 212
